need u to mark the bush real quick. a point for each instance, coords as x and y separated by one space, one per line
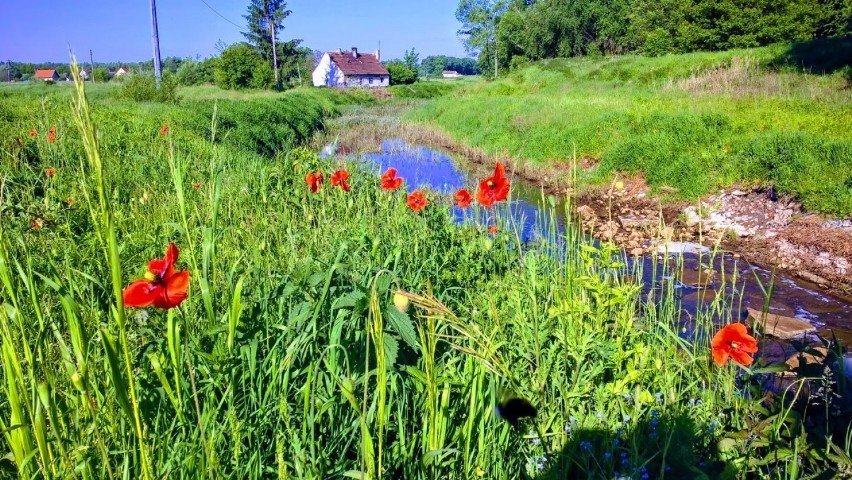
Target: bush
401 74
101 74
235 69
262 76
142 87
192 72
658 43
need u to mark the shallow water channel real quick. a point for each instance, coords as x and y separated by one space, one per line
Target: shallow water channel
530 212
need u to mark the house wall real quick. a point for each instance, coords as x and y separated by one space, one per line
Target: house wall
327 74
369 81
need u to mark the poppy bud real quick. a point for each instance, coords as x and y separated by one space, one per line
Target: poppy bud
401 302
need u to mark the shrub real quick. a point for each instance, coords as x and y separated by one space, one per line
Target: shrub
142 87
193 72
101 74
401 74
235 68
658 43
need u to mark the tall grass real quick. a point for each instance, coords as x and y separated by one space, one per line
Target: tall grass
291 359
694 122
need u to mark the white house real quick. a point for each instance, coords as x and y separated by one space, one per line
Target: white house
122 70
351 69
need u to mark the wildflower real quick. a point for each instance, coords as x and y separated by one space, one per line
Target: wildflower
162 286
586 446
567 428
494 188
599 415
479 472
164 130
51 135
726 148
463 198
644 472
655 414
340 179
417 201
33 133
314 181
734 342
607 455
196 185
619 185
492 229
626 418
49 172
37 223
659 397
390 181
70 201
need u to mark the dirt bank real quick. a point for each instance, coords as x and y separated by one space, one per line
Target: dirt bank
753 223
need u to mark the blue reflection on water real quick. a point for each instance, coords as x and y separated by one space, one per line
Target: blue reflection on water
422 166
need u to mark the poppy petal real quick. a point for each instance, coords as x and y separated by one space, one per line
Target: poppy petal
173 292
140 294
741 357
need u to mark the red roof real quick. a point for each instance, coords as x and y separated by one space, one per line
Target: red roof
362 64
43 73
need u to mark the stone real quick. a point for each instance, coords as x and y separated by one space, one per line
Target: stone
796 360
780 326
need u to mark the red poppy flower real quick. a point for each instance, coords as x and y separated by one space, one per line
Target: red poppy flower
463 198
734 342
340 179
494 188
390 181
492 229
314 181
164 130
196 185
51 135
33 133
417 201
49 172
162 286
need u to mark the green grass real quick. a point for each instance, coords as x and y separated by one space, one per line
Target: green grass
290 342
695 122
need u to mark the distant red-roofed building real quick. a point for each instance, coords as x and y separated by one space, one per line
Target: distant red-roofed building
351 69
122 70
46 75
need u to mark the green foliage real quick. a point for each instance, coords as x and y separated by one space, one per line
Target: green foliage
400 73
695 122
101 74
555 28
411 59
141 87
193 72
426 89
236 67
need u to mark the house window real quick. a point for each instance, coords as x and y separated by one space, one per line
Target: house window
371 81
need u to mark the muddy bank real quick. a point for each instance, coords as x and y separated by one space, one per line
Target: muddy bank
754 224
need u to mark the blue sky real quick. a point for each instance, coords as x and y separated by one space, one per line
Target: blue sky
120 30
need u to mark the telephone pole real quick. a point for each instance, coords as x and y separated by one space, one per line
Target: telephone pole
92 65
155 39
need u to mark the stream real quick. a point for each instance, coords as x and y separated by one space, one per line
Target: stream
529 210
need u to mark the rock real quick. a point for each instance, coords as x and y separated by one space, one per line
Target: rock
812 277
799 358
696 278
637 252
634 221
780 326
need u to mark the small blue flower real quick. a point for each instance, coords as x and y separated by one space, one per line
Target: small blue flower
702 464
616 442
536 441
626 418
653 435
654 424
567 428
668 468
586 445
607 455
655 414
659 396
618 431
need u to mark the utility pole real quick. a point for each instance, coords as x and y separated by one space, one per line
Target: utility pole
155 39
92 65
274 52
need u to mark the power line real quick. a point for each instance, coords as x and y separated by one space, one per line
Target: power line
223 17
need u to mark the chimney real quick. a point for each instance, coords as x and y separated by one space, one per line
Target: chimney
378 55
339 51
354 52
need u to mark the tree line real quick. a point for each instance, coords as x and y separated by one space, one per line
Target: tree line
510 33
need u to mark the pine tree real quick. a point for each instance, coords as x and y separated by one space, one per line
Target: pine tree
265 22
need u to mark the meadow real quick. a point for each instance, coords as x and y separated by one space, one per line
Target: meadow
693 123
338 333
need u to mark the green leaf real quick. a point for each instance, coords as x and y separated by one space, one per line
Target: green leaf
401 323
118 380
391 350
355 300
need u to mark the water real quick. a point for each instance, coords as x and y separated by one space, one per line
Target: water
741 284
